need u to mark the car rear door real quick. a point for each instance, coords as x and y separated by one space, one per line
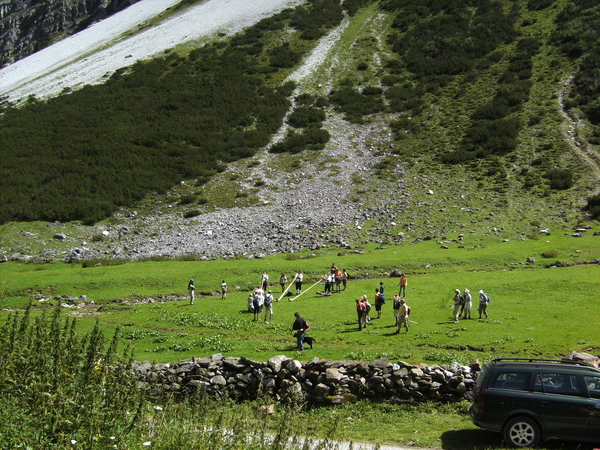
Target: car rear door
562 403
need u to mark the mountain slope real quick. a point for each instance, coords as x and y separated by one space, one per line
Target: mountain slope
381 177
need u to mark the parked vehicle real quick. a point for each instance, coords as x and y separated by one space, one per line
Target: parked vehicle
530 400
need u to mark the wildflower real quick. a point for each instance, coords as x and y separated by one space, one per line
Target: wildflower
73 442
147 444
158 408
112 438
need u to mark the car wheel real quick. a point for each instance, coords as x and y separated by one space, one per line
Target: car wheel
521 432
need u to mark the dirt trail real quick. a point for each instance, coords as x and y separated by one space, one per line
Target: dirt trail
572 131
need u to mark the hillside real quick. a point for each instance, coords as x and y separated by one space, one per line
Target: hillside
386 121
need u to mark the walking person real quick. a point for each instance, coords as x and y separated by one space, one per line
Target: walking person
299 278
402 285
192 290
299 328
484 300
403 314
223 290
269 307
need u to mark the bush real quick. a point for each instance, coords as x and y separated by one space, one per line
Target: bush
550 254
560 179
593 206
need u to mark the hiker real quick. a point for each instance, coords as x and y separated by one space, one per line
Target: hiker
361 311
333 269
457 304
251 302
345 277
258 302
283 281
367 309
467 305
223 289
403 314
396 308
329 281
379 301
484 300
269 307
299 328
264 281
299 278
192 288
402 285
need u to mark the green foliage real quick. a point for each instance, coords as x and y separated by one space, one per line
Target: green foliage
560 179
354 104
58 385
593 206
81 156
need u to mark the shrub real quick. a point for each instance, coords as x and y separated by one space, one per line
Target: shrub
191 213
593 206
560 179
550 253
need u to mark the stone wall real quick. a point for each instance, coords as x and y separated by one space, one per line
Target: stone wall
318 381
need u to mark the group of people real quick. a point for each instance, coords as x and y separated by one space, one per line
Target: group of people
401 308
259 300
463 303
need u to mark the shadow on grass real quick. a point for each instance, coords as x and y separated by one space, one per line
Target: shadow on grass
477 439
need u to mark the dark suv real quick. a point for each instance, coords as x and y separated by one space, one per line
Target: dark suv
529 400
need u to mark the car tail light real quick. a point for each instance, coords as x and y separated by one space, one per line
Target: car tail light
481 401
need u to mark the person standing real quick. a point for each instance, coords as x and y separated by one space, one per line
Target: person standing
223 289
484 300
468 304
299 328
258 302
264 281
379 300
269 307
396 308
402 285
367 309
361 312
345 278
299 278
283 281
403 314
192 289
457 303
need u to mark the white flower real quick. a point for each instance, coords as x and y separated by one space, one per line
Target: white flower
158 408
112 438
147 444
73 442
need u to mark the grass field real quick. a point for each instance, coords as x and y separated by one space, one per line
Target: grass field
535 311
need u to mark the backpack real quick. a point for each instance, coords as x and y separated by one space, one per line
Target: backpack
307 325
487 297
396 303
407 311
268 300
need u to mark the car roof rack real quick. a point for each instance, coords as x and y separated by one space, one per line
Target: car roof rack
534 360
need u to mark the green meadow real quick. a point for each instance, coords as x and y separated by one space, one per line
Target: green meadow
535 311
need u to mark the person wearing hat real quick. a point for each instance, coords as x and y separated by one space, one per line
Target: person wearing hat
457 303
484 299
269 306
192 289
403 313
467 305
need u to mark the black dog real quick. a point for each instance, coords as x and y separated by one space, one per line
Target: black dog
309 340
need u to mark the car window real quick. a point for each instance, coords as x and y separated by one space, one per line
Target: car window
557 383
510 380
593 385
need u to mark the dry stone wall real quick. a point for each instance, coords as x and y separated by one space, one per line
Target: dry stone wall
318 381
